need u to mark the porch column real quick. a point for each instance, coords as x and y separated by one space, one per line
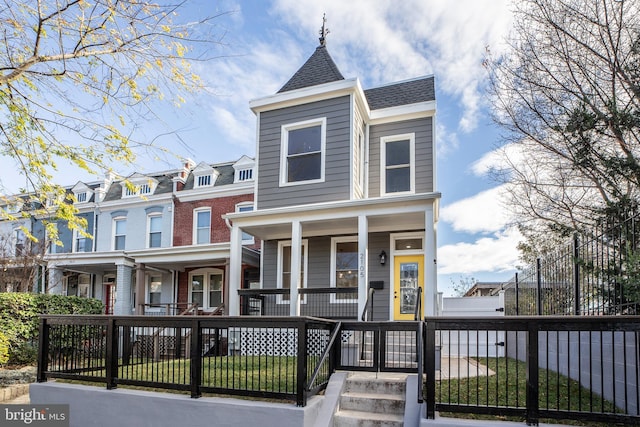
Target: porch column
430 263
140 290
123 289
363 262
55 281
235 271
296 267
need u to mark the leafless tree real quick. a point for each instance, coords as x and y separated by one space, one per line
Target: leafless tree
567 95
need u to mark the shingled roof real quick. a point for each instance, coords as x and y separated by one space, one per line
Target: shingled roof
318 69
402 93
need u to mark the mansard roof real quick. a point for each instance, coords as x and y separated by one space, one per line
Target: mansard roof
318 69
401 93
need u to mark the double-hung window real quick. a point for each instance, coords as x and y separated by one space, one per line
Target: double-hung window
397 164
119 233
155 289
80 241
205 287
247 239
303 152
21 240
344 260
202 226
155 231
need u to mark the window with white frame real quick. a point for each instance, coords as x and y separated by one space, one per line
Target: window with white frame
80 241
155 289
284 267
397 173
154 225
202 226
246 237
144 189
344 265
245 175
20 242
77 285
119 233
81 197
358 164
139 185
205 287
303 152
203 181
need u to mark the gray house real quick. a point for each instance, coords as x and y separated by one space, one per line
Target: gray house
345 195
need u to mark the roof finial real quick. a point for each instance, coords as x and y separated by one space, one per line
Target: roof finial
323 31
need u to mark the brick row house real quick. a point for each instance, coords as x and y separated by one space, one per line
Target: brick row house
162 236
339 201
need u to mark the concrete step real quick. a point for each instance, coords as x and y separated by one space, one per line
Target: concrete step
381 383
348 418
373 403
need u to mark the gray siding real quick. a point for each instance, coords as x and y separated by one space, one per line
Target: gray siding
319 268
337 166
423 129
137 236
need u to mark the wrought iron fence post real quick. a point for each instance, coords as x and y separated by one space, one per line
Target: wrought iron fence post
43 350
517 295
532 374
576 276
112 354
196 358
539 285
301 375
430 368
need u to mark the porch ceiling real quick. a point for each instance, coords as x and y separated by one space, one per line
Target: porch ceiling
389 222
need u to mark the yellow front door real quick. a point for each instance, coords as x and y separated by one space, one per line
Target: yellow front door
408 277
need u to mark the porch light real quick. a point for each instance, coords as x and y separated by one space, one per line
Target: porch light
383 257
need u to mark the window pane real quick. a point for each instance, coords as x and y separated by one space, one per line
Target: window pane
398 153
405 244
304 140
203 235
80 244
155 224
215 290
204 219
155 290
155 240
119 244
346 267
121 226
197 283
398 180
304 168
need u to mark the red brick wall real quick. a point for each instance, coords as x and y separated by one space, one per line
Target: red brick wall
183 217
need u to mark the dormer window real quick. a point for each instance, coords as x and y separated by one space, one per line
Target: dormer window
82 193
142 186
243 169
245 175
204 181
204 176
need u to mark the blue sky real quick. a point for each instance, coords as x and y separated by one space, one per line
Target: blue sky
378 41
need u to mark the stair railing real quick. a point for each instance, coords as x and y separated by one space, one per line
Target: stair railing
368 307
336 330
417 314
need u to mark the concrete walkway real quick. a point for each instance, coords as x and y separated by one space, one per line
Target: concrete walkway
461 367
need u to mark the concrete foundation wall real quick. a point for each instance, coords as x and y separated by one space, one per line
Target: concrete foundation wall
95 406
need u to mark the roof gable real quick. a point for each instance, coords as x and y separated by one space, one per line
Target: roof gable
318 69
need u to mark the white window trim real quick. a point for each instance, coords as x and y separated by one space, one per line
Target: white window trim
334 244
194 237
284 144
77 235
244 205
113 234
147 297
206 273
148 233
383 162
137 184
305 254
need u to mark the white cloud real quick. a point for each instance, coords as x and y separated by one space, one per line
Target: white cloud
484 212
446 141
500 159
488 254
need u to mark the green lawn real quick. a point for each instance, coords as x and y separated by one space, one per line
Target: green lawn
507 388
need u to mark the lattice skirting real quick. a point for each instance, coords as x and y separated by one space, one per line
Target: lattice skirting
275 341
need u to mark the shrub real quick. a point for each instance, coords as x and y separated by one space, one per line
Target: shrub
19 319
4 349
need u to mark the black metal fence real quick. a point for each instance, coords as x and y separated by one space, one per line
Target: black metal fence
532 368
327 303
266 357
595 273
